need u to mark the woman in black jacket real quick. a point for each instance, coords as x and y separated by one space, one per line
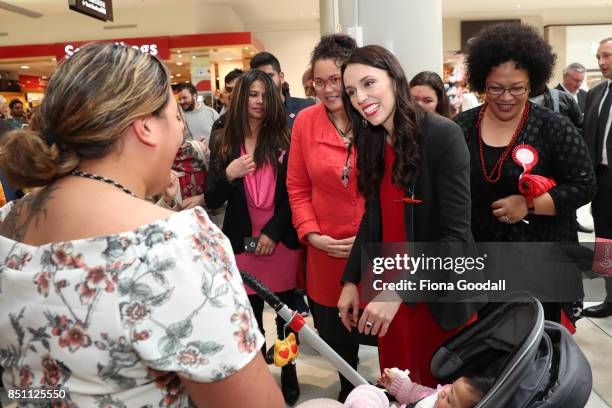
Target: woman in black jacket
248 169
414 173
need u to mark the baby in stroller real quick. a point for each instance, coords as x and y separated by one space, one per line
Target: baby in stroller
465 392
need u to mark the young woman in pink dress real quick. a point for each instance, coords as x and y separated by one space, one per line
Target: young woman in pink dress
248 168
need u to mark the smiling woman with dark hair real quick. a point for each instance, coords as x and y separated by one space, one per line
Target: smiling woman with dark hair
506 61
405 156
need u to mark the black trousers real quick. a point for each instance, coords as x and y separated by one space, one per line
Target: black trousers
602 211
257 304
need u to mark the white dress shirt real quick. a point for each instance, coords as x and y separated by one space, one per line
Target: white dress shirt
604 154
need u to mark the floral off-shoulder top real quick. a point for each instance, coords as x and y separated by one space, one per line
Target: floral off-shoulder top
115 319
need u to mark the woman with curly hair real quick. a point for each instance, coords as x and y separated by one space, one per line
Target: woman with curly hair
413 171
327 207
427 89
506 61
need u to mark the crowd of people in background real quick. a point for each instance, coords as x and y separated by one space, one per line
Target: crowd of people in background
287 189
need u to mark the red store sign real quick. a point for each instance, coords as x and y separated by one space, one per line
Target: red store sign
156 46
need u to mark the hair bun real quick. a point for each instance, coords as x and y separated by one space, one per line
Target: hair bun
28 161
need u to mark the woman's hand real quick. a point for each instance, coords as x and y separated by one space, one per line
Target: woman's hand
377 316
510 209
240 167
172 189
348 305
337 248
265 246
193 201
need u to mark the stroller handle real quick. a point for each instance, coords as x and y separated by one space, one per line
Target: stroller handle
306 333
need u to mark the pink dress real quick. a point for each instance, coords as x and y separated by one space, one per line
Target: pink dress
276 271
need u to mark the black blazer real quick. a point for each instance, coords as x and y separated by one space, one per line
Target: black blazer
591 114
443 183
293 106
582 95
237 222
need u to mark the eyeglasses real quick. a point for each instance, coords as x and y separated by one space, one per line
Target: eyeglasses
514 91
320 84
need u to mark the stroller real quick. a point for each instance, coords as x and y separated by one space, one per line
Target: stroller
544 366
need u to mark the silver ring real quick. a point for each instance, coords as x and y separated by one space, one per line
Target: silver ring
369 325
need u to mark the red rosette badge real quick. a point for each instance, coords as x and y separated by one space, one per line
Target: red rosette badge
525 156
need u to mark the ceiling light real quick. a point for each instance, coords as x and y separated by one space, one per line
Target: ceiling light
252 52
43 77
25 67
178 51
193 57
518 6
178 75
179 63
171 76
174 83
180 55
246 48
53 59
228 59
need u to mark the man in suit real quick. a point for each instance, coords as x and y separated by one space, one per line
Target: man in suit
597 130
266 62
573 78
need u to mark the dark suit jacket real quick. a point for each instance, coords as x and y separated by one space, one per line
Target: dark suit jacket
237 222
582 94
591 114
443 184
293 106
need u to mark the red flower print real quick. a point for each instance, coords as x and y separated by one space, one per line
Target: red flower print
26 377
170 384
140 336
242 318
86 294
134 312
18 261
52 371
190 357
59 324
98 278
74 338
42 281
247 341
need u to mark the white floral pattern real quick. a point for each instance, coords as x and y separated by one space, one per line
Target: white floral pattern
117 318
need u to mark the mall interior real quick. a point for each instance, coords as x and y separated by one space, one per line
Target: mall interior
201 41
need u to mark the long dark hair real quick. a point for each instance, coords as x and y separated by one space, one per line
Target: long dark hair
274 134
370 140
433 80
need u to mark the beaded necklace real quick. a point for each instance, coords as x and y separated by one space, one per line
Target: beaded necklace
103 179
495 175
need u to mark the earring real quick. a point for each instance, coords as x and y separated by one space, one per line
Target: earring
364 123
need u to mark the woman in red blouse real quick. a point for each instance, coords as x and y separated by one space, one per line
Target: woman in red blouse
322 187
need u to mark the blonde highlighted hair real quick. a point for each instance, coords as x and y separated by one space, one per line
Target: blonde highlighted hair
90 102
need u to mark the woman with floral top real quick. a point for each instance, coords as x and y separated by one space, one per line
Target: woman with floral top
104 294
